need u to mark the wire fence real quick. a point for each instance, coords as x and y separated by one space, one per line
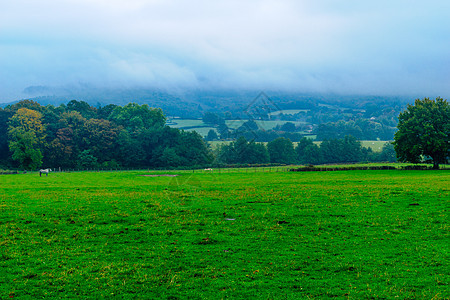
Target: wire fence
243 169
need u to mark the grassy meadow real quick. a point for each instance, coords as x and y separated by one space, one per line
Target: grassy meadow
237 235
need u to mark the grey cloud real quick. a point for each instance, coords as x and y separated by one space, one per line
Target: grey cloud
353 46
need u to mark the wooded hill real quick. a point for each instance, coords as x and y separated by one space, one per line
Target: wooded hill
78 135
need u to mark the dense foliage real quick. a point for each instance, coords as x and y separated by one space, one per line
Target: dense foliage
424 130
283 151
78 135
360 128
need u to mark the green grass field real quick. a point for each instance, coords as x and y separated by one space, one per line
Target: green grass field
237 235
192 125
180 123
203 131
376 146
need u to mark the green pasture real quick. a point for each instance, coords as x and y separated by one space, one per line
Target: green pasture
180 123
203 131
216 144
236 234
376 146
263 124
192 125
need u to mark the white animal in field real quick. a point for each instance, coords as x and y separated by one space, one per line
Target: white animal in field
44 171
208 170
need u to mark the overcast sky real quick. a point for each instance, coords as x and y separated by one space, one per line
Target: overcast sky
381 47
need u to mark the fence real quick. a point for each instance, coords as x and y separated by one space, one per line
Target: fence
246 169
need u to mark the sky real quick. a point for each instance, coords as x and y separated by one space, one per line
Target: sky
383 47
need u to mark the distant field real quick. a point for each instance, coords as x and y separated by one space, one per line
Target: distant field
192 125
203 131
178 123
237 235
376 146
215 144
288 112
202 128
266 125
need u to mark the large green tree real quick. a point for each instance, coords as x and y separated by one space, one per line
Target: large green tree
134 117
26 138
243 152
424 131
281 150
308 152
5 115
68 143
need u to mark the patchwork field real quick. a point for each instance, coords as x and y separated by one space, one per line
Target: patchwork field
203 128
266 235
263 124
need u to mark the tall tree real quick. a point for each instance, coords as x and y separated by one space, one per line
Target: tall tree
26 138
243 152
281 150
99 137
5 115
68 143
213 119
134 117
212 135
424 131
351 149
308 152
83 108
388 153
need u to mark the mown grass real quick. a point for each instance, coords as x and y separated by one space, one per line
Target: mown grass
294 235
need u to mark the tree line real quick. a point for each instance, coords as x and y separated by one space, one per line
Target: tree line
283 151
78 135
